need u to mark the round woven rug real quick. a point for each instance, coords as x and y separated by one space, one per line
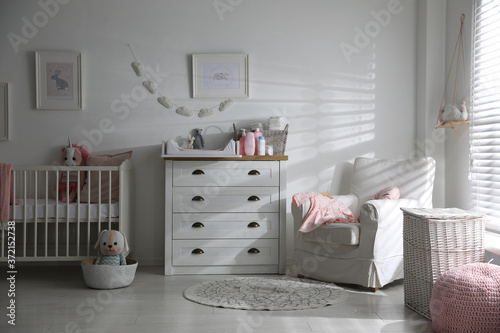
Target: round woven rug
266 293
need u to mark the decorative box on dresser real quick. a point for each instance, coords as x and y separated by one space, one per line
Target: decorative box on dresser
225 215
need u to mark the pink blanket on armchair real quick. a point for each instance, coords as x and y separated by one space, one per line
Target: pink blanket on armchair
322 211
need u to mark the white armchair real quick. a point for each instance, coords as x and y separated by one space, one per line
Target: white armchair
368 253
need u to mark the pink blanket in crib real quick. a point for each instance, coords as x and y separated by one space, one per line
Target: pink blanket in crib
5 186
323 210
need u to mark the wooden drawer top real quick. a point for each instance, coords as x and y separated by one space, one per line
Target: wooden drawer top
242 158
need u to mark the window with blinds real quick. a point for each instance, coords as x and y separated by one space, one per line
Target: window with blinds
485 111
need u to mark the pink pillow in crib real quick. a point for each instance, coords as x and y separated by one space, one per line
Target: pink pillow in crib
391 192
103 160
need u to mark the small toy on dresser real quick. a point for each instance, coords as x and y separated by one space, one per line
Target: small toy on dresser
112 244
190 142
73 155
198 139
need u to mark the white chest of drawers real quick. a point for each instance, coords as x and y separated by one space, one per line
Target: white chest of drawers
225 215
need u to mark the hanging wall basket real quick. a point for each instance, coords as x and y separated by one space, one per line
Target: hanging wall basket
453 114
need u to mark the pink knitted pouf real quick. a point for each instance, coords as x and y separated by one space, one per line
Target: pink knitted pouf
467 299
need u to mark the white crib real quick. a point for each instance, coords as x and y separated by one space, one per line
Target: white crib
48 229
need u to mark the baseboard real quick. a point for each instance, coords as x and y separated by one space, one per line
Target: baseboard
150 261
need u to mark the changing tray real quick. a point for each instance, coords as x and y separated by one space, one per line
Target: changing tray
170 148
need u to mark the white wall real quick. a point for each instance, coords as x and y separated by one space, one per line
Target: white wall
458 190
457 139
431 47
337 109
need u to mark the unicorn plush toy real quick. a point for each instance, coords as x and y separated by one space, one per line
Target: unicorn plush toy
73 155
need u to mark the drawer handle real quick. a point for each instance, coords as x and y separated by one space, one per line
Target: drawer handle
198 198
198 172
253 198
253 225
197 251
253 250
253 173
198 225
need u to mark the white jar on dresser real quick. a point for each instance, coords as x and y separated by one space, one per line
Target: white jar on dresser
225 215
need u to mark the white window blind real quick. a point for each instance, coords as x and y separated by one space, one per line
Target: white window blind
485 111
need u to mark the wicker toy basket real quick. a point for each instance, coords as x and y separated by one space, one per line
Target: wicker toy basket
436 240
108 276
277 138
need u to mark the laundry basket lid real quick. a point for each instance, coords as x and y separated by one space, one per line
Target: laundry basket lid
441 213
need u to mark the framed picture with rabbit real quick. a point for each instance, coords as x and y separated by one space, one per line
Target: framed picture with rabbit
58 80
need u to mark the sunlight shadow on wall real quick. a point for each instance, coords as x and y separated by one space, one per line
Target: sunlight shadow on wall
346 115
344 119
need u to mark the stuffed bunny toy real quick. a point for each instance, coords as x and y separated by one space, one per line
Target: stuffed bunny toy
190 142
112 244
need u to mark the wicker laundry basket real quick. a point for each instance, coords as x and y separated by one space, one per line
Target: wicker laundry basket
108 276
436 240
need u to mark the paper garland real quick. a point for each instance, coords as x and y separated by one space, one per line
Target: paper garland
167 103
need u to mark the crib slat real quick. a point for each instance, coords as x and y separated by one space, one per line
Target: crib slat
99 200
35 225
78 216
24 218
56 241
109 199
46 213
121 187
67 213
89 182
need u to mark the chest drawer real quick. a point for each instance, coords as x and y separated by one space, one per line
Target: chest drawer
225 252
225 215
225 225
225 199
229 173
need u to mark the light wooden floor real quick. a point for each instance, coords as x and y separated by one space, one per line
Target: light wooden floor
55 299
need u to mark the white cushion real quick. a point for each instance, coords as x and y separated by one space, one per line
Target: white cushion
414 178
334 234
